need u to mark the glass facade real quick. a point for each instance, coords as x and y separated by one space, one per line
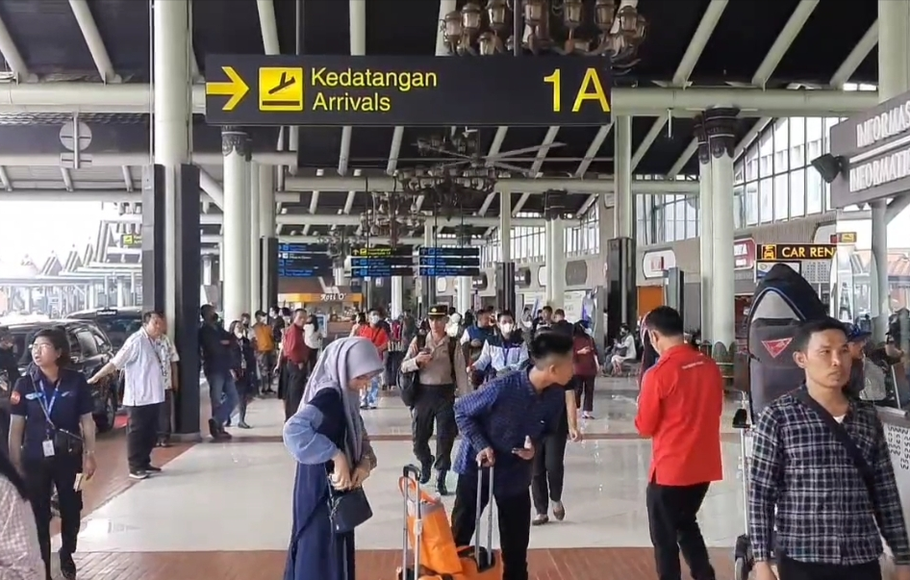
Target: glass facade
528 243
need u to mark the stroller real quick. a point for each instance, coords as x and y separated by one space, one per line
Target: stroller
428 533
782 301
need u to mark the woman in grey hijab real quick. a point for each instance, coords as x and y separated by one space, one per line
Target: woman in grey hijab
328 439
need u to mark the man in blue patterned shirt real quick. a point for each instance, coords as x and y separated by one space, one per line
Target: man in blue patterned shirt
821 474
501 424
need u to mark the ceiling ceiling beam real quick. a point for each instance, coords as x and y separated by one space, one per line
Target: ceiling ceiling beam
445 6
698 42
93 40
548 140
783 42
684 70
127 178
855 58
357 20
89 97
491 197
346 220
521 203
268 26
306 239
12 56
593 149
687 154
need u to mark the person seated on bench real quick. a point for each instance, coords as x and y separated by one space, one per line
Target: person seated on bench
626 350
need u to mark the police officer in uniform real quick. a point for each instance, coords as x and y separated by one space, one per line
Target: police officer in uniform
437 360
52 440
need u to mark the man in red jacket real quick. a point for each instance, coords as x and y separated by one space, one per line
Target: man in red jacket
679 409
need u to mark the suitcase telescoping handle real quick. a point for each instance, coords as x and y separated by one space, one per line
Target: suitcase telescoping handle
411 473
477 526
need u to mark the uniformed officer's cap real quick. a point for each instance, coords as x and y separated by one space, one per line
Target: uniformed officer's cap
438 311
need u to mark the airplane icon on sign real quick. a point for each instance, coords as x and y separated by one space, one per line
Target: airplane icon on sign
283 83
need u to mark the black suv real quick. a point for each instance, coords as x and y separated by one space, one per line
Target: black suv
117 323
90 349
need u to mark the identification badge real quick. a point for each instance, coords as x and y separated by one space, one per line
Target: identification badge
48 447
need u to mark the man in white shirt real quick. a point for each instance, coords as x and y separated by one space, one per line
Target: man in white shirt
143 390
169 359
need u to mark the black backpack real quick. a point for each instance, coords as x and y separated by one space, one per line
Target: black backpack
409 383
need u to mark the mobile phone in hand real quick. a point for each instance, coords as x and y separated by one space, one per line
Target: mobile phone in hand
77 484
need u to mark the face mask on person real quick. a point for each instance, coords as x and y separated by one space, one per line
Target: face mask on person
374 319
506 328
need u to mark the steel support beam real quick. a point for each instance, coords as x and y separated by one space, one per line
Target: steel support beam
350 220
304 239
93 40
783 42
69 97
137 159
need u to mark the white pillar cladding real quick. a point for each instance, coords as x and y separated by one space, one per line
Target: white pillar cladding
555 239
172 119
464 284
624 204
207 271
705 225
397 289
235 145
720 126
893 80
266 230
253 237
121 293
505 225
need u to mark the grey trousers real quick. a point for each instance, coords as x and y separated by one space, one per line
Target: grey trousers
165 416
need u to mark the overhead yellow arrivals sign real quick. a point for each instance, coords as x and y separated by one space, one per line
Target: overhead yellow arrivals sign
391 90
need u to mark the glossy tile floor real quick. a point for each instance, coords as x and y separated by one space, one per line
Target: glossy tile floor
225 508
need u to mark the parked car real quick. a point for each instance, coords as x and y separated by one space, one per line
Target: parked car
117 323
90 349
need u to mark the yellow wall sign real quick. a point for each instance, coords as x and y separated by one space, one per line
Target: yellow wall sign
794 252
281 89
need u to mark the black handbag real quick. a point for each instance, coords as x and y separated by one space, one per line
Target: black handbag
348 509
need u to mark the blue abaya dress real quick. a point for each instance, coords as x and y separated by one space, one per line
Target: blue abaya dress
313 436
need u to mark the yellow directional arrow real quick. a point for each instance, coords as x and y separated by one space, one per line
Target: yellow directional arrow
234 88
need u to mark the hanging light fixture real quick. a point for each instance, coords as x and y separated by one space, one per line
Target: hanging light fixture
474 31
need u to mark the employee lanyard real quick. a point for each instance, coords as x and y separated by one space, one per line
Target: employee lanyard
47 406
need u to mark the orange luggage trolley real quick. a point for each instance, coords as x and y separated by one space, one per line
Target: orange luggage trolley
476 562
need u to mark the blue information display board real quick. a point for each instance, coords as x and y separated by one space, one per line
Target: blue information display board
304 260
437 261
382 262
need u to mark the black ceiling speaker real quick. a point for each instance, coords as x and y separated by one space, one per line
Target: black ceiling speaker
828 166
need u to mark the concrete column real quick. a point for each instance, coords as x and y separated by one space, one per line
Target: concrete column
133 286
235 146
266 234
555 238
397 290
705 223
720 126
253 237
893 80
207 271
505 225
172 119
121 293
464 290
624 204
427 283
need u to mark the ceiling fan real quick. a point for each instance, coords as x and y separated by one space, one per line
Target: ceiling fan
463 146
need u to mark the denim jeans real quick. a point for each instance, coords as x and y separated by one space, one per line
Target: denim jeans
371 396
223 393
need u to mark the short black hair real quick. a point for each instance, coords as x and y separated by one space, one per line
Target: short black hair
261 313
545 345
149 314
56 335
559 312
808 328
506 313
665 320
299 310
546 309
206 308
285 311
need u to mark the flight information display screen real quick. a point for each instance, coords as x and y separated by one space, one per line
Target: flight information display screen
382 261
437 261
304 260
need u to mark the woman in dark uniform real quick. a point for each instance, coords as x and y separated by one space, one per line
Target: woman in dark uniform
52 440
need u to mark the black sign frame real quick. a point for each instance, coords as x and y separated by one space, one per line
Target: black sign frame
794 252
407 90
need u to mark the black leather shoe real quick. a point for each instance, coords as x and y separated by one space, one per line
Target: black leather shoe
67 567
426 468
441 488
